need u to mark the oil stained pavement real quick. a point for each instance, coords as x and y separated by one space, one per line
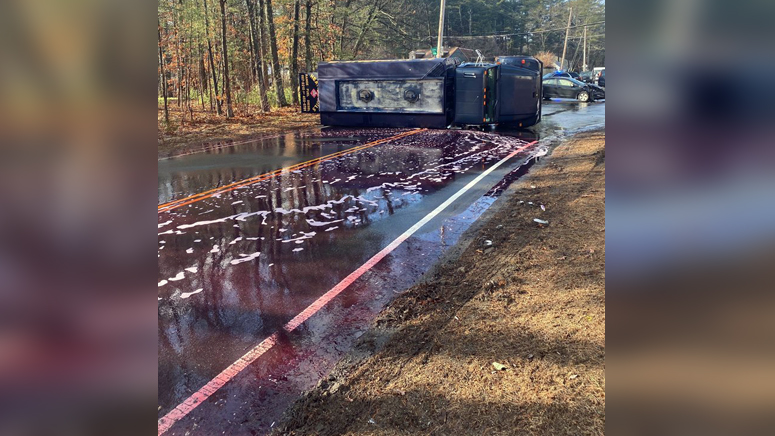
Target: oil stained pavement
234 267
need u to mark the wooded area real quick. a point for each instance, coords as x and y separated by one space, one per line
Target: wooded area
243 56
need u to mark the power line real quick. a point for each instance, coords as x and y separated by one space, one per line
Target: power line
588 36
521 33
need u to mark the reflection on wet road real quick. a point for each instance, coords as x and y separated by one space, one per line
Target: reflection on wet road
235 267
564 117
195 173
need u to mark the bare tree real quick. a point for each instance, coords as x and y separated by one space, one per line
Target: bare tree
212 61
202 76
258 55
375 7
176 24
295 54
343 29
307 37
278 79
163 77
226 85
263 39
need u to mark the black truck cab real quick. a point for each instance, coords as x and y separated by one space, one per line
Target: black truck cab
497 94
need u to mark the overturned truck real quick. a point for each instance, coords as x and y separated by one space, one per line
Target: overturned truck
432 93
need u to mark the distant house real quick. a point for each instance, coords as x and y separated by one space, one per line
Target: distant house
460 53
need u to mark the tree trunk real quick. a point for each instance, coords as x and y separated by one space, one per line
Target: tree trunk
188 89
264 40
163 77
202 77
226 84
278 79
189 78
212 61
295 54
251 42
176 25
259 58
333 25
307 38
321 46
343 30
203 69
365 28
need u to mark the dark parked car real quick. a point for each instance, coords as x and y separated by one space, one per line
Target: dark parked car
568 74
587 77
601 79
558 74
563 87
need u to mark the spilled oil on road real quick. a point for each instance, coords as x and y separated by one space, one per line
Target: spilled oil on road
237 264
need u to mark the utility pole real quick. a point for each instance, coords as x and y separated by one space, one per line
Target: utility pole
584 63
439 50
565 46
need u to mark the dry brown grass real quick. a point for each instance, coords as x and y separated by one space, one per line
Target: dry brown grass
201 130
535 303
546 57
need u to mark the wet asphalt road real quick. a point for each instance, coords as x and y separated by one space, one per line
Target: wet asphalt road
236 266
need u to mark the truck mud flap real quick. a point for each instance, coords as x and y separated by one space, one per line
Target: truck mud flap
308 93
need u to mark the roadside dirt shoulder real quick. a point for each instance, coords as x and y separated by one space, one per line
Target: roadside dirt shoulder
507 339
